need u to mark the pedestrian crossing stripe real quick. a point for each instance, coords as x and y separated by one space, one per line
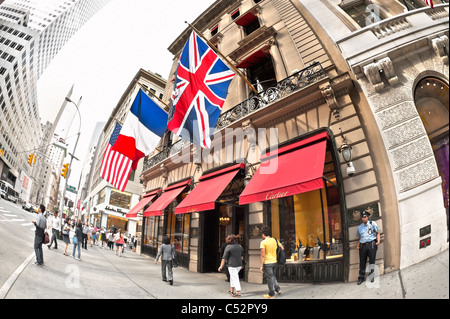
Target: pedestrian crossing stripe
27 224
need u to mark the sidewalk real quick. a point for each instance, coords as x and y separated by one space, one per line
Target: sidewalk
102 275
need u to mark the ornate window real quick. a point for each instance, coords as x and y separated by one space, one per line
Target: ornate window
364 13
431 99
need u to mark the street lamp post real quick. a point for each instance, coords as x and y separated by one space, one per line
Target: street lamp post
71 156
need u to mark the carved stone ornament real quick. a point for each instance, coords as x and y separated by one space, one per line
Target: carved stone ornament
373 72
440 46
164 171
250 131
385 65
373 75
330 97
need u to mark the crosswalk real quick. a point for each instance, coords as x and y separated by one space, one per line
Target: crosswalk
7 216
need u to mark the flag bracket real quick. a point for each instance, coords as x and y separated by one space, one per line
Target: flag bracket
147 90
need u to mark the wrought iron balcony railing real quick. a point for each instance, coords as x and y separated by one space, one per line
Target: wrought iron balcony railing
291 84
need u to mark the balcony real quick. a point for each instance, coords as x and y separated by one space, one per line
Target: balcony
407 31
256 102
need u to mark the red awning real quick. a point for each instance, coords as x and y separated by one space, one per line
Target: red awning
246 19
170 193
205 194
253 59
144 201
290 170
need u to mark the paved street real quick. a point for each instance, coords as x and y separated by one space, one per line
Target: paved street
16 233
100 274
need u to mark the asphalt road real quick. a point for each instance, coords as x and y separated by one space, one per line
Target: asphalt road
16 231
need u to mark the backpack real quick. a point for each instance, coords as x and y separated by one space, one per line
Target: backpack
281 256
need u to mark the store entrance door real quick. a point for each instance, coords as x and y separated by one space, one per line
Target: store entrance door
216 226
209 252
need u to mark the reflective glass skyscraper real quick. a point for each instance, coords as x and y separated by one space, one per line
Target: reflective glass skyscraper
31 33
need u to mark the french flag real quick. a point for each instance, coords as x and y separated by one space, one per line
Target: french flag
145 124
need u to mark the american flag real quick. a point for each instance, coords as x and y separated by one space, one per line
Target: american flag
116 167
430 3
200 89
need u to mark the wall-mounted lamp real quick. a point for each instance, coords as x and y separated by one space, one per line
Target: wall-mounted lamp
346 151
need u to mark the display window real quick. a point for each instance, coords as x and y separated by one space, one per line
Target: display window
309 225
431 97
177 226
178 231
120 199
117 223
150 237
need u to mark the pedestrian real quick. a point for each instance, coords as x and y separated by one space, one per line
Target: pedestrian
65 234
56 229
103 236
118 239
85 235
49 218
111 240
268 262
41 224
94 236
222 251
233 256
167 254
91 234
368 234
135 243
77 238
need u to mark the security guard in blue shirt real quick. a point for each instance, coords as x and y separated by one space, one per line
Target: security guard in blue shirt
369 239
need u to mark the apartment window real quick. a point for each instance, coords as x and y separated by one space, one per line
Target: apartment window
364 13
249 23
260 69
214 30
235 14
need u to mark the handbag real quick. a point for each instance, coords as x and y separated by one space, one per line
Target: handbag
75 240
174 260
46 238
281 256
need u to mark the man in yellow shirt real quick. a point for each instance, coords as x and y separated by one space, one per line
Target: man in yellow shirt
269 262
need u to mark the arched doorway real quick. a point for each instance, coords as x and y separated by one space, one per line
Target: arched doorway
431 99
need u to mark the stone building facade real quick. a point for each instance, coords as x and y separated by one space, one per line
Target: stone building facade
311 106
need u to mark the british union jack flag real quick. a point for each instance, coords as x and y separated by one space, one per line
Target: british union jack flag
199 92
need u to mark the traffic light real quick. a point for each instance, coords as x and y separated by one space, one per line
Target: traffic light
65 170
1 152
31 157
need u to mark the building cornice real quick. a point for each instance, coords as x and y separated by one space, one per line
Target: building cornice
203 22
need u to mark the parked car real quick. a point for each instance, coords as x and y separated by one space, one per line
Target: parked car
27 206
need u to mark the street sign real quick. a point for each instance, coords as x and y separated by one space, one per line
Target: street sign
71 189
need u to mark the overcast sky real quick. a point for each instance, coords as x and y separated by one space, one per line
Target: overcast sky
102 58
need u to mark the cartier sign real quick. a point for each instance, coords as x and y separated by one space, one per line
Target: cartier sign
275 195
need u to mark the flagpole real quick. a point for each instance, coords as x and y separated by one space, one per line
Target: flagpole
223 57
406 5
143 87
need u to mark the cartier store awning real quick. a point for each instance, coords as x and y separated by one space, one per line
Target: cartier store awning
292 169
205 194
144 201
169 194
